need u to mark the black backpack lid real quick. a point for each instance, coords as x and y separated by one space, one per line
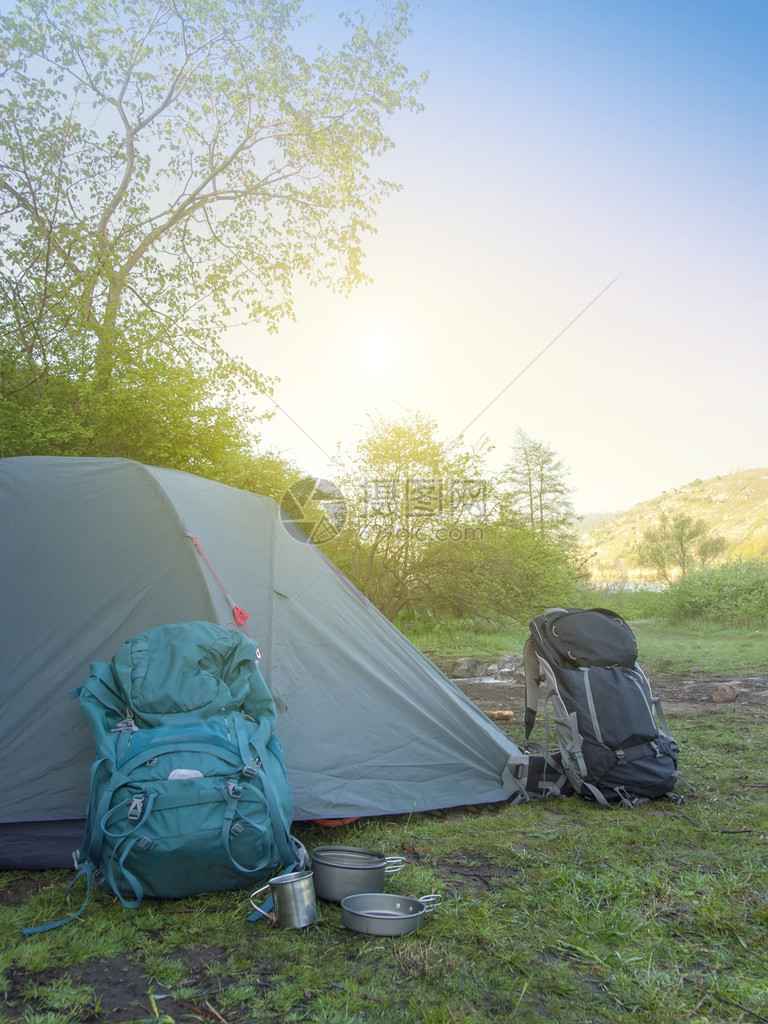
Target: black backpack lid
585 637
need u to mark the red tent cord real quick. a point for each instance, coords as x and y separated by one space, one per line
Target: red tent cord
241 616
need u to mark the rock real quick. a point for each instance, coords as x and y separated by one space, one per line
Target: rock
467 668
511 661
725 694
507 674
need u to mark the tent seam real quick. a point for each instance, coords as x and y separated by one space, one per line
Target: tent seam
166 501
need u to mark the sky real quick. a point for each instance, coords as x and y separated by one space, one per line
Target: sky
578 250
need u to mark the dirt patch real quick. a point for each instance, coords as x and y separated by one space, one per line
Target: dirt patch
679 694
17 890
119 990
464 872
701 692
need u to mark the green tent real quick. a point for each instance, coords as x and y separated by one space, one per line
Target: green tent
94 551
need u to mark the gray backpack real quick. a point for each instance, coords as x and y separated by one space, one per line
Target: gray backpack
612 742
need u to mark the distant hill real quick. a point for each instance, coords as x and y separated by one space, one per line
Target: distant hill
734 507
592 522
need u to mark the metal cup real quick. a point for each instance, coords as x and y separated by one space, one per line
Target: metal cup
293 896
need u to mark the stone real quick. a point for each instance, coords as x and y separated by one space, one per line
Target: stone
511 661
507 674
725 694
467 668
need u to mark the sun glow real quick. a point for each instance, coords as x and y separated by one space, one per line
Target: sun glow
378 351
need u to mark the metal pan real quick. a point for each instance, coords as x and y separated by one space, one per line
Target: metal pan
345 870
382 913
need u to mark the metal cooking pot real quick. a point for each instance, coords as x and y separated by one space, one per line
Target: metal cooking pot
381 913
341 871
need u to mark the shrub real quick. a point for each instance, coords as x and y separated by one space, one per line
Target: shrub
733 594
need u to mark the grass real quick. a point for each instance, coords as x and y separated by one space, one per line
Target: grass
448 640
676 649
663 648
552 911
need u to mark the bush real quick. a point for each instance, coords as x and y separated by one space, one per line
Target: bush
732 594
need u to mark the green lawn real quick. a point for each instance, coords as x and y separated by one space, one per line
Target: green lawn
665 648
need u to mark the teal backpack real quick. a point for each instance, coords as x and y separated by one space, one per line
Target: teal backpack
188 792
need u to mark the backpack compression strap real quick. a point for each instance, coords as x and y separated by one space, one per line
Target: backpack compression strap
87 870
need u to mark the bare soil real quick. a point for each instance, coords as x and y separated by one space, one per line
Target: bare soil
679 694
122 986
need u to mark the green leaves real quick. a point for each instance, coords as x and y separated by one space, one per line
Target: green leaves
169 170
537 489
735 593
677 546
428 530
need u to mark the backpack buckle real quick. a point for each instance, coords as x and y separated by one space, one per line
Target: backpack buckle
127 724
628 799
134 811
253 767
234 790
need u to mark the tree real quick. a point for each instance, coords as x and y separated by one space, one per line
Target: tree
424 533
537 488
166 169
504 570
408 494
678 546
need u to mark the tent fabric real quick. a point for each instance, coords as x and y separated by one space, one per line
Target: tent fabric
94 551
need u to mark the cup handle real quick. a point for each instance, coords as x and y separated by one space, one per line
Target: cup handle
252 897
